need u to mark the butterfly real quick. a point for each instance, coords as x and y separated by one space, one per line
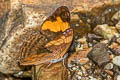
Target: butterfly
50 42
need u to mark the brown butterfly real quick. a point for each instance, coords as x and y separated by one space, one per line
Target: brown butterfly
51 42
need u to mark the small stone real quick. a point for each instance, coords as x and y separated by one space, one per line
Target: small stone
91 37
116 16
92 78
118 40
118 26
78 47
74 68
83 70
90 45
99 54
85 46
115 48
109 77
87 66
113 45
108 66
112 56
116 69
79 73
109 72
82 40
69 65
118 77
116 60
89 20
104 41
79 77
77 25
74 18
106 31
83 61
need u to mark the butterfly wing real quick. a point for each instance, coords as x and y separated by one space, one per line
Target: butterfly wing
56 29
58 47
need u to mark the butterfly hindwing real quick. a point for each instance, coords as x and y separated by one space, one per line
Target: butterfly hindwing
58 47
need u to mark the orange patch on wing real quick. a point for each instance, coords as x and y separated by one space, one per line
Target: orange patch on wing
55 26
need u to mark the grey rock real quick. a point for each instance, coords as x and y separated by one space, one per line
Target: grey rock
99 54
118 77
116 60
108 32
108 66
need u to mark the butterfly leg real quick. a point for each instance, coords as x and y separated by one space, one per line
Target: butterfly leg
66 55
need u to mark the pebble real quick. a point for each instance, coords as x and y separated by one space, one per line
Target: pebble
99 54
116 16
118 26
116 60
92 78
105 41
78 47
106 31
84 61
74 68
79 77
108 66
109 72
118 40
118 77
91 37
79 73
83 70
74 18
112 56
115 48
82 40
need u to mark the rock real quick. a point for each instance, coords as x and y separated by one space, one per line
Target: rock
78 46
106 31
84 71
112 56
116 16
82 44
118 40
118 77
82 40
104 41
116 69
108 66
115 49
74 68
116 60
118 26
92 78
99 54
84 61
79 73
109 72
79 77
74 18
92 37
